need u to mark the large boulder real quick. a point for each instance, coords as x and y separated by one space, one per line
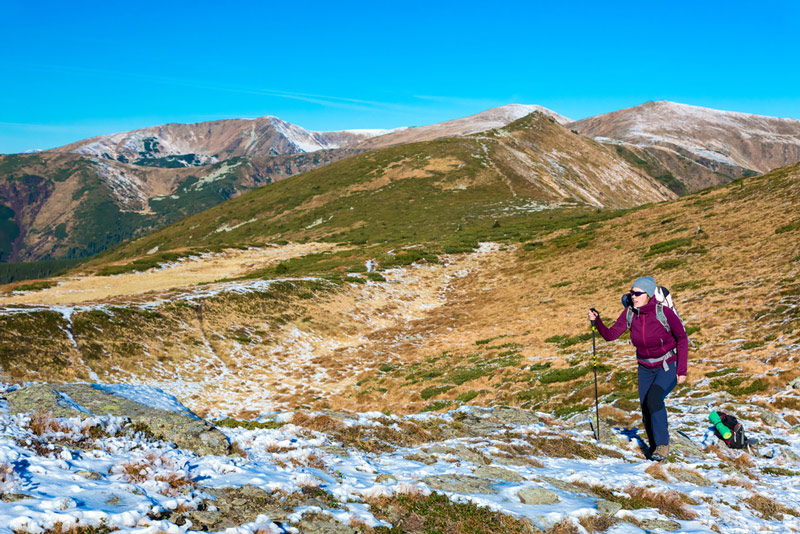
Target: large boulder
180 426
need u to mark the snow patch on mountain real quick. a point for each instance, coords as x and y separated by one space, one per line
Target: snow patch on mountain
127 188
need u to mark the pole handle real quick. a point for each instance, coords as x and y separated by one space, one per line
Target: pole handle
598 313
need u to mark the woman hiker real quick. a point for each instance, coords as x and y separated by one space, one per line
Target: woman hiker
662 358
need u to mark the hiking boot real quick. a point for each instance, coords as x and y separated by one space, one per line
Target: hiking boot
660 454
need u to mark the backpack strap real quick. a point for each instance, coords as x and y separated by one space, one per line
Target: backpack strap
629 316
662 318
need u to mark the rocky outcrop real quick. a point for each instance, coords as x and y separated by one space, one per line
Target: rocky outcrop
184 429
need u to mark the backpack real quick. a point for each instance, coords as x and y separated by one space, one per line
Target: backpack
663 298
737 440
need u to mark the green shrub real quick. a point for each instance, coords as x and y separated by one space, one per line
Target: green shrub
563 340
794 225
722 372
671 263
467 396
465 374
667 246
564 375
433 391
375 277
36 286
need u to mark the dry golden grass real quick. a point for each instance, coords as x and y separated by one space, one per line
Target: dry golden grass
670 503
233 263
565 526
6 473
562 447
42 423
656 470
161 469
178 482
62 528
597 522
737 458
320 423
767 508
735 481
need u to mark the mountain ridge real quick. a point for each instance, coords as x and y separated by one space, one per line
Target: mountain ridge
696 145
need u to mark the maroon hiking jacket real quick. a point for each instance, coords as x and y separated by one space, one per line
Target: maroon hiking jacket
650 337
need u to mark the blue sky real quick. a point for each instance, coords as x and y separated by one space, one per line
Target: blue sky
71 70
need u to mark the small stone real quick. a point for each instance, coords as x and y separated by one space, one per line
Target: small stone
421 458
91 475
385 477
608 507
239 502
537 496
652 524
794 384
115 500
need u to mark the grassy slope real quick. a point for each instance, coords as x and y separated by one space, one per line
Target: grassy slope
68 211
513 331
734 274
450 191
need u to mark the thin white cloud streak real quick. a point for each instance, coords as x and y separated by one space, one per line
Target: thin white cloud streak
323 100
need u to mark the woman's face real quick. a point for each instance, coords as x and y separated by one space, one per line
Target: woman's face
639 297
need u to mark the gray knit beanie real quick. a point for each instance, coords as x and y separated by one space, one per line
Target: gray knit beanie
646 284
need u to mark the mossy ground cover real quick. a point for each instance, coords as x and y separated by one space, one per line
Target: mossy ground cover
436 513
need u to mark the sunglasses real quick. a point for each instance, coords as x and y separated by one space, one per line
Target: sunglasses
637 293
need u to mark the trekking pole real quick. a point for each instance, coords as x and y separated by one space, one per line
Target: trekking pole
594 367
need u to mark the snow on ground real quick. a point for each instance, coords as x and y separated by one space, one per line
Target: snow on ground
92 486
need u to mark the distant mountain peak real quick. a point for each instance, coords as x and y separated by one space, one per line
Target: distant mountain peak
727 142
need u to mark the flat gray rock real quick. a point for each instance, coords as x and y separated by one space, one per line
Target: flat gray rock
568 486
509 415
497 473
469 455
421 458
664 524
535 496
464 484
67 400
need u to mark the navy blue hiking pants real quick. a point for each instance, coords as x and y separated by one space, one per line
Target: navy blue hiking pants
654 386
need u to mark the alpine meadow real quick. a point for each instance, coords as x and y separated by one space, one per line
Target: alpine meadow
247 327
